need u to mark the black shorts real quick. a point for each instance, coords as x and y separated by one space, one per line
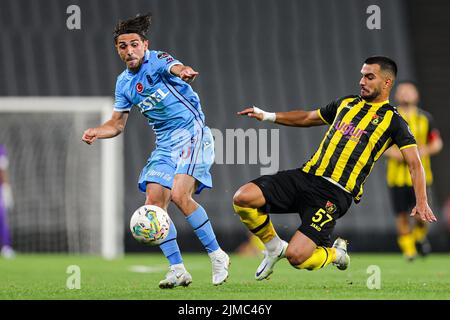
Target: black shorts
319 202
403 199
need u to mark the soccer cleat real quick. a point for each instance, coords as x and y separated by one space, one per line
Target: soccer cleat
220 263
265 269
342 258
176 278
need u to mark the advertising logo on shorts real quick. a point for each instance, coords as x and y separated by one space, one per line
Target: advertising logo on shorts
139 87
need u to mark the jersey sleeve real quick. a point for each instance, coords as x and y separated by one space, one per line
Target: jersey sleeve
121 103
328 113
164 62
401 134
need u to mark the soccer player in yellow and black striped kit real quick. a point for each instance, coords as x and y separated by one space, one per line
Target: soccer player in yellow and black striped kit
411 240
361 128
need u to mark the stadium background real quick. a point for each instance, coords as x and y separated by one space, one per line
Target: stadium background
278 55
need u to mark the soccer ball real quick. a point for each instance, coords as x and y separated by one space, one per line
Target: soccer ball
150 225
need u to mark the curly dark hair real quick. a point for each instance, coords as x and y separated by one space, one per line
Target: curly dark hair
139 24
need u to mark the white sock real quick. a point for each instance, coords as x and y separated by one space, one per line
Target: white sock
274 246
178 267
214 254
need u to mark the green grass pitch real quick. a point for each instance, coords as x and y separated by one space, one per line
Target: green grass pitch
137 277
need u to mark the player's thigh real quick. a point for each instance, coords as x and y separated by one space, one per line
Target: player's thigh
277 193
195 158
318 223
323 203
160 169
249 196
157 195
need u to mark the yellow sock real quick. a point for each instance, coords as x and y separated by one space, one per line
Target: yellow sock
420 232
320 258
257 222
407 244
257 243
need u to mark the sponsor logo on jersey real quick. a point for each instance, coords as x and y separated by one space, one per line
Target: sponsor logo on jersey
349 130
162 55
153 99
165 55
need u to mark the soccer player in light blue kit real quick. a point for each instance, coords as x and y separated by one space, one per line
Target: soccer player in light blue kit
179 166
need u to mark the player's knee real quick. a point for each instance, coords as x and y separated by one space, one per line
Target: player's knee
180 198
239 199
295 256
242 198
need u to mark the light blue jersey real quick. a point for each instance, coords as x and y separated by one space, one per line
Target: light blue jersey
184 143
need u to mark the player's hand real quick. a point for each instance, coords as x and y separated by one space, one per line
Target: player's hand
90 135
188 74
251 113
424 211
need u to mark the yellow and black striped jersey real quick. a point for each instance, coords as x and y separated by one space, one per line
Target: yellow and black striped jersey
422 126
359 133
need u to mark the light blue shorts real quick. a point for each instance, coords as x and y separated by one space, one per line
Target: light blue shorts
191 154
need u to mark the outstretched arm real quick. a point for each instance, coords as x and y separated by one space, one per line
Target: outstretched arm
394 152
111 128
411 156
185 73
297 118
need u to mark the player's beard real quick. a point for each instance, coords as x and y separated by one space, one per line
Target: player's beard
372 96
136 67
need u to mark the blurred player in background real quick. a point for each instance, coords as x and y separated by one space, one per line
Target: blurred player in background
361 128
251 247
429 142
158 85
6 203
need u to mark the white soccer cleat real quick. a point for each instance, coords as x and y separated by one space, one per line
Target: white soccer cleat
176 278
220 262
342 258
265 269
